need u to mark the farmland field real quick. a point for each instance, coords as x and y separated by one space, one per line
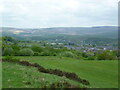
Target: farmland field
100 74
17 76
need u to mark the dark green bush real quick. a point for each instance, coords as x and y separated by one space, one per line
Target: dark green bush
91 58
26 52
36 54
8 52
37 49
48 53
67 54
84 55
106 55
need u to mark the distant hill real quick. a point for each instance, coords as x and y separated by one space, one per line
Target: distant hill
64 33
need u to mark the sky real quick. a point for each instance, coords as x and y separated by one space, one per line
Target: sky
58 13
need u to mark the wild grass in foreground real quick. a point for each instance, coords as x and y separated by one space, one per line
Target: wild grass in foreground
18 76
102 74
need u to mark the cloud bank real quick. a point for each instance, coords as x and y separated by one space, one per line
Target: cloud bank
58 13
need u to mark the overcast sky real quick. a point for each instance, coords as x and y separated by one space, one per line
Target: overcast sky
58 13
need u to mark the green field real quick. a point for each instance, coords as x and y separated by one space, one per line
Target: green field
0 75
18 76
100 74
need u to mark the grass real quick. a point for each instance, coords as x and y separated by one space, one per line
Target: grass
100 74
0 75
18 76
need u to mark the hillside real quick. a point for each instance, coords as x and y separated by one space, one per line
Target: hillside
82 31
77 35
100 74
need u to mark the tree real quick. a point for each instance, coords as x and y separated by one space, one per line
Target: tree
37 49
106 55
8 52
10 39
26 52
67 54
16 48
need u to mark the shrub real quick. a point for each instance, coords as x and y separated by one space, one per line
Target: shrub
106 55
67 54
8 52
48 53
78 53
37 49
16 49
84 55
85 58
26 52
36 54
91 58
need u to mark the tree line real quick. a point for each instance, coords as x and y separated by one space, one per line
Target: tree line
12 47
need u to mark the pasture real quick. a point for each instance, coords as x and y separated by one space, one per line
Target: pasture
100 74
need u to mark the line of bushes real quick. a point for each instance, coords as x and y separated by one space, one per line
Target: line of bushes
47 51
11 47
37 51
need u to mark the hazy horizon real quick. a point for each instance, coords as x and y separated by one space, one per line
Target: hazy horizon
61 27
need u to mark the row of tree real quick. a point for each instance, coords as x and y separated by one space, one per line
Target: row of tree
11 47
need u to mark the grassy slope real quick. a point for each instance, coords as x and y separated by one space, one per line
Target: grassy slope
100 73
0 75
18 76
